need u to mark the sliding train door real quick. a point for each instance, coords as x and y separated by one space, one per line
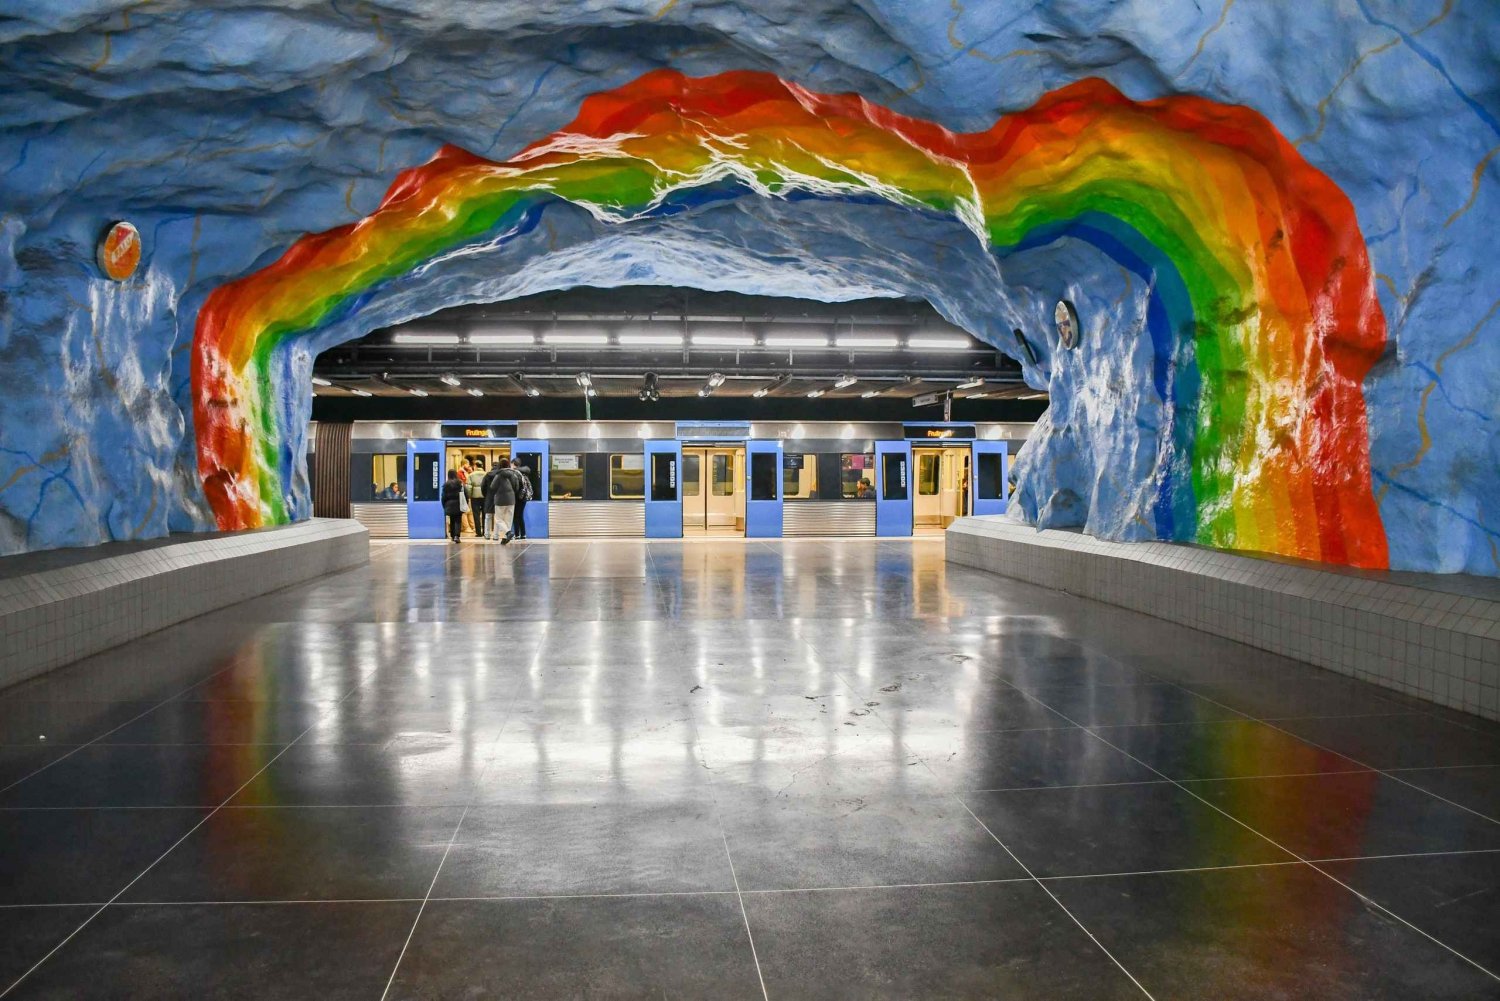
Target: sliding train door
763 480
424 490
664 489
535 455
991 472
893 498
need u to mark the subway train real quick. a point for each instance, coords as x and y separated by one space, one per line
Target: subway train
668 480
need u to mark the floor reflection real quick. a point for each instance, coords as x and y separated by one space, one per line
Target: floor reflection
792 753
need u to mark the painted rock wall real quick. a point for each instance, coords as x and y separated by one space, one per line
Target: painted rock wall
1288 336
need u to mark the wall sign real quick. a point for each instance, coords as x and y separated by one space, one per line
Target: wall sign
478 430
1066 318
119 252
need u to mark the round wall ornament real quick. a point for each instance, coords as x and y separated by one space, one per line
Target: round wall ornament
120 251
1066 318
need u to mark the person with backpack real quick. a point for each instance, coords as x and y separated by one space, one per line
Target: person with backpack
500 500
524 493
486 502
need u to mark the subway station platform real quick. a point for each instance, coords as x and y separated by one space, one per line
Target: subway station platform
786 769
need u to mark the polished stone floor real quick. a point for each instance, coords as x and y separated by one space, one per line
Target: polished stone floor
794 769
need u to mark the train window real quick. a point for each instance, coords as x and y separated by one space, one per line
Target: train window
692 475
627 477
566 478
928 466
723 475
799 476
991 485
424 478
763 476
388 477
532 463
893 477
664 476
858 475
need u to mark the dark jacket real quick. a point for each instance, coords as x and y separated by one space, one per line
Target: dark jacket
451 490
487 489
501 492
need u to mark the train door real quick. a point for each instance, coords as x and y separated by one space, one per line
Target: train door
991 471
942 476
713 502
893 498
763 483
665 514
535 456
425 471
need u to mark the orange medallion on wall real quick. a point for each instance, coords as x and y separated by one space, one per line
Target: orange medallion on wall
120 251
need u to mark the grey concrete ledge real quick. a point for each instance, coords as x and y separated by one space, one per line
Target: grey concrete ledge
1432 636
55 609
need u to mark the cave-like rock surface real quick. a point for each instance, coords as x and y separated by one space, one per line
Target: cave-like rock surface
1344 412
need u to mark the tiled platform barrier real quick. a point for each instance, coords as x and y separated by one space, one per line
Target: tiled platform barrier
1432 636
58 606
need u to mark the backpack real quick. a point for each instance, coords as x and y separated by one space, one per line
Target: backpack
523 489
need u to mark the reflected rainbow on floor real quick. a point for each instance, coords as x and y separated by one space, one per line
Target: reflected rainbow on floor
1263 320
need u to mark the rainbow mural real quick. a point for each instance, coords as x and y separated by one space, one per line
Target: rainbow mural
1263 318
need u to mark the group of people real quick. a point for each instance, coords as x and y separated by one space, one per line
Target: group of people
492 503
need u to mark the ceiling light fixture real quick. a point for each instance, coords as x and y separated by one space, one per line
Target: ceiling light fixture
971 384
869 394
845 382
318 380
475 391
525 385
816 393
575 340
650 340
412 338
868 342
937 344
495 339
716 380
449 379
723 341
585 380
772 386
650 392
795 341
415 391
361 392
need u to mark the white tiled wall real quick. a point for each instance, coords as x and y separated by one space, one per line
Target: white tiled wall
1434 637
55 616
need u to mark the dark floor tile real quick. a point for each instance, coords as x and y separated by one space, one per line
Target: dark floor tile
227 951
1223 749
103 775
1116 704
1287 698
435 771
1474 786
598 847
304 853
27 934
82 856
1412 741
1453 898
1284 932
1351 814
240 722
687 946
1121 828
1030 671
1018 759
63 723
781 842
993 940
17 761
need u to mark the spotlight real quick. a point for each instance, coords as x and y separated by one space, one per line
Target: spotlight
318 380
869 393
449 379
971 384
524 385
816 393
716 380
585 380
976 396
773 385
475 391
361 392
845 382
650 393
415 391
